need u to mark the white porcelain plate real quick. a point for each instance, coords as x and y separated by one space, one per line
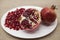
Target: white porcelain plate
42 31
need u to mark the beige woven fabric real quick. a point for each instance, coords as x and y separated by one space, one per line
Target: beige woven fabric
6 5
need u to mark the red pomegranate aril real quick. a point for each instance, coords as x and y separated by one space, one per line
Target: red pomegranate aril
13 26
8 17
16 28
21 10
7 25
11 14
26 14
29 10
10 27
7 22
17 23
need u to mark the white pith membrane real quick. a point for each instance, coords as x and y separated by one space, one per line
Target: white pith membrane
36 12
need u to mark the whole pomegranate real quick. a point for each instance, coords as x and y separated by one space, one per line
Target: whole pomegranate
48 15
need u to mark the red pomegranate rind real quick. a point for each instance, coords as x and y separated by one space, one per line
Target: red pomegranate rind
48 15
44 11
34 28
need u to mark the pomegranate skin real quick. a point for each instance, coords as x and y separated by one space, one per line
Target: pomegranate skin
48 15
35 27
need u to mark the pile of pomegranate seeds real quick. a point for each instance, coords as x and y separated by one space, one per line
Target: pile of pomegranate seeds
12 19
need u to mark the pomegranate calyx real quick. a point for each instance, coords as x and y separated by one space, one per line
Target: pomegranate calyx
53 7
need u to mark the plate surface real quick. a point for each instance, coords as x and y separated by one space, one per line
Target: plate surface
42 31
